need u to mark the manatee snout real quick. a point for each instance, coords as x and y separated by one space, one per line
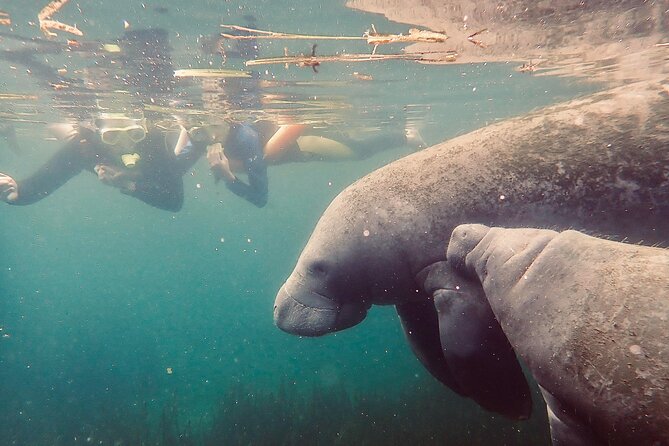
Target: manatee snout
301 311
463 240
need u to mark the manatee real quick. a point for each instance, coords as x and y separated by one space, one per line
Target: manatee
590 319
598 164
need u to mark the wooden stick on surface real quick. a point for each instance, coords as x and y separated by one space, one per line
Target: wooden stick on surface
51 9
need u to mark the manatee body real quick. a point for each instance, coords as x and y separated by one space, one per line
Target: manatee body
599 164
590 319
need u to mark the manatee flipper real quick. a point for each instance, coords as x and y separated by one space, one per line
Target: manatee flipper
566 429
479 356
421 327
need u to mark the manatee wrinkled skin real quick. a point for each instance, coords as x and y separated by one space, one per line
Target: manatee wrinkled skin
590 319
598 164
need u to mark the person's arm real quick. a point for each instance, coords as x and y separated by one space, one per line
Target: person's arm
65 164
244 143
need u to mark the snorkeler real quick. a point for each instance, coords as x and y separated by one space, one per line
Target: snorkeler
142 163
120 151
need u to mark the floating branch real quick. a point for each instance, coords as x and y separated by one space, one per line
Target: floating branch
50 9
4 19
260 34
17 96
415 35
311 61
373 38
46 23
475 41
210 72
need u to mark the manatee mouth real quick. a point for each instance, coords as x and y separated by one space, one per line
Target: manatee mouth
300 311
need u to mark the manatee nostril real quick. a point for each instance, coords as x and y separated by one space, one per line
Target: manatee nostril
318 267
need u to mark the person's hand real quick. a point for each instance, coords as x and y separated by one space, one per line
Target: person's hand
9 190
219 163
111 176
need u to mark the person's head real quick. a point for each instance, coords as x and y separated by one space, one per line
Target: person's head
120 131
204 131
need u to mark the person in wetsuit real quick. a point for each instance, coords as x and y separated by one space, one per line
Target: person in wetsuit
140 163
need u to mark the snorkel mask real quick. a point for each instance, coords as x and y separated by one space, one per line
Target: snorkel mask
122 133
114 130
208 133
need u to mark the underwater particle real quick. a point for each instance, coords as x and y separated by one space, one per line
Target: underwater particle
636 349
126 25
222 240
198 186
169 370
248 240
502 197
365 232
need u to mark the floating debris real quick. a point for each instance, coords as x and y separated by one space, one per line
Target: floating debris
260 34
415 36
46 23
5 19
17 96
310 61
50 9
362 76
211 72
475 41
372 37
529 67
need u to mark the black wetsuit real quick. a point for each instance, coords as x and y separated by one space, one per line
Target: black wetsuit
157 176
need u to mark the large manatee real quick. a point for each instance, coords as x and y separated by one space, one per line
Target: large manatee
599 164
590 319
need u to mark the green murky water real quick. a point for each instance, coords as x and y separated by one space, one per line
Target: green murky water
124 325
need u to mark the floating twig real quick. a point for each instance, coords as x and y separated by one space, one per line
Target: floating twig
415 35
260 34
209 72
5 19
477 42
372 37
310 61
46 23
17 96
529 67
50 9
